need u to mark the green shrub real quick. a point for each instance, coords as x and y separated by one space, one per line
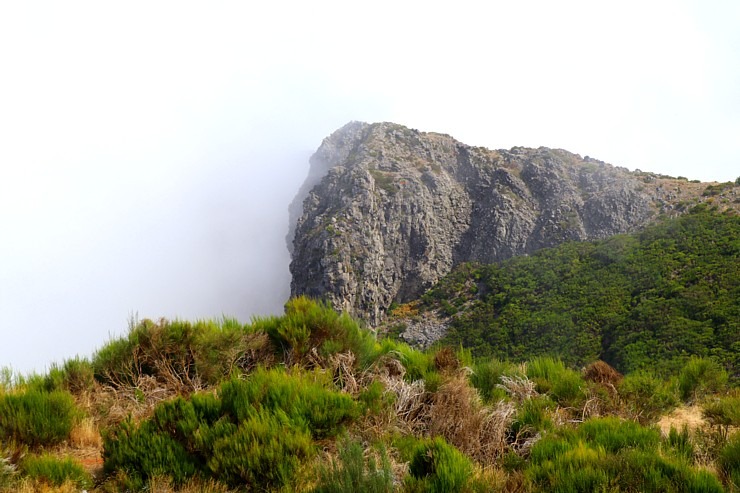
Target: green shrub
352 473
679 444
265 452
487 375
699 377
646 396
723 411
563 384
614 434
611 455
439 467
144 452
37 418
55 471
256 429
728 463
310 325
533 416
320 411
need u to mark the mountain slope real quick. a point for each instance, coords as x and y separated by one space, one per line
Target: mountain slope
397 209
649 299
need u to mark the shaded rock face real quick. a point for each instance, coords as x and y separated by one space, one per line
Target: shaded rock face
388 210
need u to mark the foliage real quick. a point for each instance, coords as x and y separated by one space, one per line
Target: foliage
439 467
646 300
646 396
256 430
564 385
729 463
351 472
723 411
310 327
55 471
37 418
611 455
701 376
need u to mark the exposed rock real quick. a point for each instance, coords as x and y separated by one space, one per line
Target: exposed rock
391 210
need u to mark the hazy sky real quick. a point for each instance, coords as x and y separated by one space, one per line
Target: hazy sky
149 150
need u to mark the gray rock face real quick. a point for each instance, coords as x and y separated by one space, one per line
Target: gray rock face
391 210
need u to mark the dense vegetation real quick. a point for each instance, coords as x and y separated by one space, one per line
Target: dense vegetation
311 402
644 301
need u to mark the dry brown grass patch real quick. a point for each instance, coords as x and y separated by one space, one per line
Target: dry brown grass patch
458 415
602 373
446 361
85 434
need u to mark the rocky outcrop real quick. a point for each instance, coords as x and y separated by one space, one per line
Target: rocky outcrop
388 210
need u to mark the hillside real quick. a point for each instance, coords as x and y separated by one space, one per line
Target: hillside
643 300
387 211
310 402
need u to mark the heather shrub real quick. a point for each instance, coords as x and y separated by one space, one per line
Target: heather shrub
352 472
699 377
305 401
439 468
646 396
728 463
257 430
551 376
37 418
679 444
55 471
611 455
265 450
486 377
532 416
144 451
311 327
723 411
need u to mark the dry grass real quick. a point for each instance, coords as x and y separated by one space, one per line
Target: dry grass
519 388
458 415
85 435
342 367
602 373
690 416
26 485
445 360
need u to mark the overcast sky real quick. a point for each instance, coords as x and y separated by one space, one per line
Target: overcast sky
149 150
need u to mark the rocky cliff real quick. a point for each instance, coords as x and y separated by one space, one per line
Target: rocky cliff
388 210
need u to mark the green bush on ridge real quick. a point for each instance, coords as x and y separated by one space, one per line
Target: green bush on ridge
256 430
55 471
37 418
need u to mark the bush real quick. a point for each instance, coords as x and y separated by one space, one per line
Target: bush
646 396
723 411
309 326
352 473
55 471
563 384
487 375
699 377
533 416
265 452
439 467
259 429
320 411
614 435
728 463
37 418
679 444
144 452
611 455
